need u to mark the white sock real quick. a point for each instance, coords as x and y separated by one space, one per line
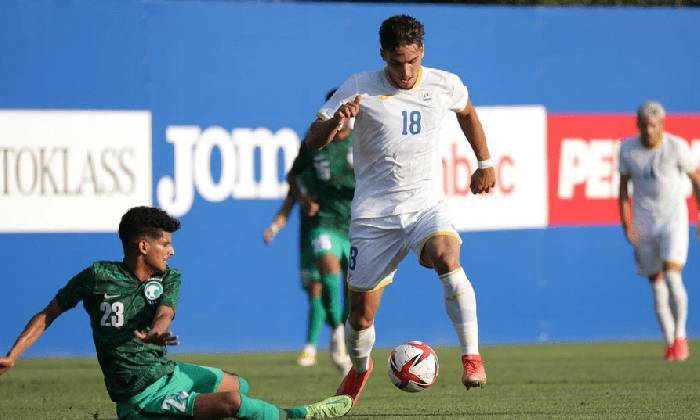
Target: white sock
338 342
359 346
309 348
460 303
679 301
663 310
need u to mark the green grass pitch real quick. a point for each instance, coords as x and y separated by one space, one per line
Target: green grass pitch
584 381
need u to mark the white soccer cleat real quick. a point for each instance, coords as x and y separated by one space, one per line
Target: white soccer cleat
307 358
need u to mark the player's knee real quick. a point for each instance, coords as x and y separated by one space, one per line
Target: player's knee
360 320
445 263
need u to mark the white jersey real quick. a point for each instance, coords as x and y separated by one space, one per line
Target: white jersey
396 145
658 177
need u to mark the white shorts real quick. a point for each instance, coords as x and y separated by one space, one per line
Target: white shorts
664 243
379 244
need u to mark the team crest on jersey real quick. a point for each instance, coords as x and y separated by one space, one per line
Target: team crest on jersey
153 290
427 96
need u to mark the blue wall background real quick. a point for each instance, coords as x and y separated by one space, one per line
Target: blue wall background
268 65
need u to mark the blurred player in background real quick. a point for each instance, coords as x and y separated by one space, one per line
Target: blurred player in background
131 304
398 205
310 279
335 187
657 226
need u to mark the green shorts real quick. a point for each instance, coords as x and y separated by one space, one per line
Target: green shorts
331 241
172 395
307 263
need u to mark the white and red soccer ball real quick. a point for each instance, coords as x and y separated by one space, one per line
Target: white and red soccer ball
413 366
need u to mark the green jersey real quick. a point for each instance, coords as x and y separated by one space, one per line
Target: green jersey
307 184
117 304
335 181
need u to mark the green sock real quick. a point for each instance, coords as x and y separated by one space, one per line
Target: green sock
258 410
331 297
296 412
243 386
317 317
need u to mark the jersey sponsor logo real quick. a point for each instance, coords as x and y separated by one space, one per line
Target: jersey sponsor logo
583 168
108 296
72 171
153 290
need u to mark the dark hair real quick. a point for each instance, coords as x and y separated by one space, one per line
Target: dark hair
400 30
330 93
148 221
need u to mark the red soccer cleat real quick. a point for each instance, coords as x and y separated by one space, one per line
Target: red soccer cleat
670 355
680 349
474 373
354 382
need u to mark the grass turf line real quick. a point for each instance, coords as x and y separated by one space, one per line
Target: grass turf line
600 380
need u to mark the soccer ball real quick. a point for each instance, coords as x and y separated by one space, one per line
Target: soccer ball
413 366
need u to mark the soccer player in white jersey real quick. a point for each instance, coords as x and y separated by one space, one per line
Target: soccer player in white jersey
397 207
657 225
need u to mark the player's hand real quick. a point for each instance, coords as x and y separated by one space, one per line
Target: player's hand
309 205
6 364
483 180
165 338
346 111
631 234
270 233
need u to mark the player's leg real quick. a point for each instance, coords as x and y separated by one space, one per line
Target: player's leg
217 394
227 404
377 247
442 254
663 312
647 256
437 244
311 282
360 337
329 269
674 251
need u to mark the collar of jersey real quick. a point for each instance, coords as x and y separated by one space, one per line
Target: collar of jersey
419 79
658 146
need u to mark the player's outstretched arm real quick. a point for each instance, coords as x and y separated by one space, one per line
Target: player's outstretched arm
34 329
625 208
484 178
280 219
160 328
322 132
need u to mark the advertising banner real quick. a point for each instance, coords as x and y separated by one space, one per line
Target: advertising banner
582 161
72 171
517 142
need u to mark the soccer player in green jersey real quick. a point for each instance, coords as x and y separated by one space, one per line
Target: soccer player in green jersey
131 304
310 279
335 185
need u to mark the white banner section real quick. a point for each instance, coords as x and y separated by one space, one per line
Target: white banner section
72 171
516 137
